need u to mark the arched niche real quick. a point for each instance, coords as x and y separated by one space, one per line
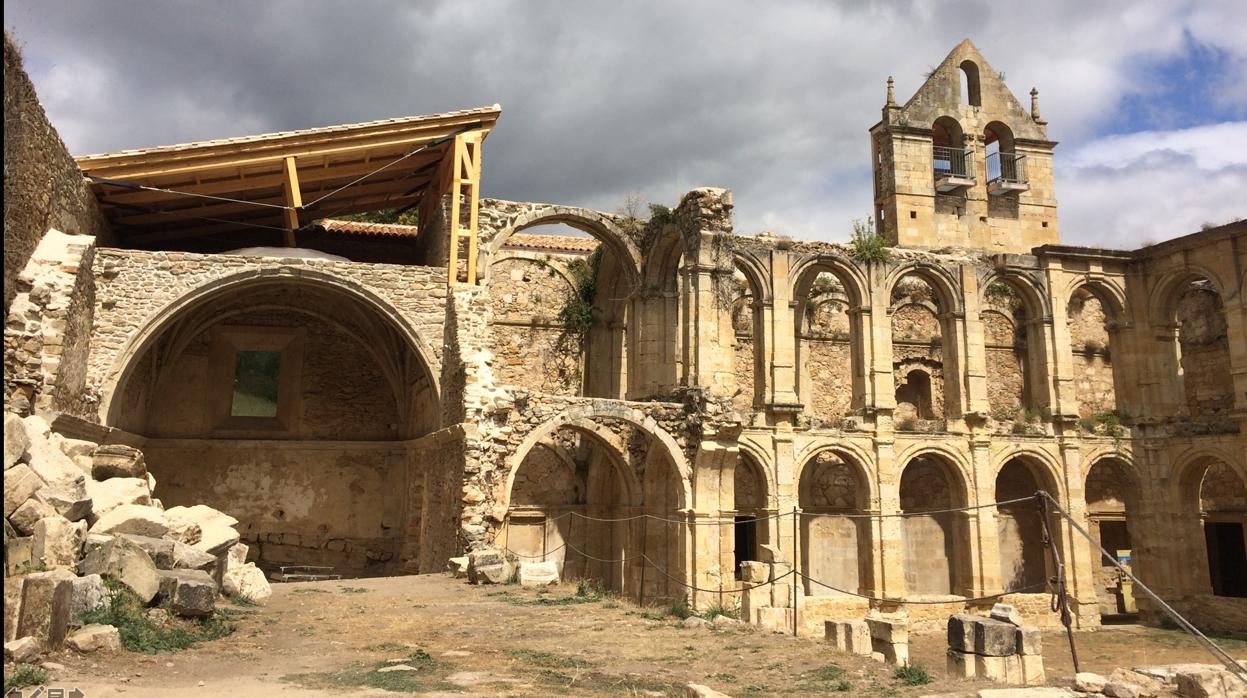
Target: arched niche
1112 496
830 376
835 529
935 541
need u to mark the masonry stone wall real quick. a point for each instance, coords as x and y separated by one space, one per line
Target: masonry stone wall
532 349
134 288
1205 352
43 188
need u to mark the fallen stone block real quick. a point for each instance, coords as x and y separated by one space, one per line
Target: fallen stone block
125 562
158 549
696 690
488 566
1125 681
960 664
1048 692
776 620
24 650
186 557
58 541
993 668
852 636
994 638
57 471
44 615
12 606
215 539
29 513
20 484
458 566
961 631
753 598
1006 613
781 595
538 574
1033 673
132 518
78 451
16 441
74 505
188 593
247 581
1208 682
89 593
18 555
753 572
95 638
117 460
1029 641
112 493
1088 682
694 622
201 514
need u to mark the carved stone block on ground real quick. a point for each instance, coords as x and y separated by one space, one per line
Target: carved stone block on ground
44 615
133 518
117 460
15 439
960 664
95 638
29 513
112 493
89 593
20 484
247 581
994 638
158 549
189 593
488 567
127 563
852 636
58 541
538 574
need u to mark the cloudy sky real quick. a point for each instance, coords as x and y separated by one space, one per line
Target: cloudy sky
606 99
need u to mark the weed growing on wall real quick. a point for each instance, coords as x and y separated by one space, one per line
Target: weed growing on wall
868 245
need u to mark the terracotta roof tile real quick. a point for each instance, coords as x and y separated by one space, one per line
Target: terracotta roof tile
519 241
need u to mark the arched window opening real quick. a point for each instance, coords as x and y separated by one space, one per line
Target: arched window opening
953 163
1019 529
1111 499
1204 352
1092 358
1223 507
749 502
827 353
835 548
932 541
1006 169
1014 386
970 94
747 344
919 356
537 282
913 396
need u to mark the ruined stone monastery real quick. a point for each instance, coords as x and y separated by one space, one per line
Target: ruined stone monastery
378 398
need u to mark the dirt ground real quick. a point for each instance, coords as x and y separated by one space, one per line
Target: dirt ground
329 638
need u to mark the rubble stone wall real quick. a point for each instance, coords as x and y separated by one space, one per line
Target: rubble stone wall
43 188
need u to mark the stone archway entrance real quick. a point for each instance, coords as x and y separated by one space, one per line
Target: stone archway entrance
287 403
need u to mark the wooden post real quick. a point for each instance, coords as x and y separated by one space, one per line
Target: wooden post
464 187
294 201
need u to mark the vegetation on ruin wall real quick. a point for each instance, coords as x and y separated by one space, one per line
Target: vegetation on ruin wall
868 245
389 216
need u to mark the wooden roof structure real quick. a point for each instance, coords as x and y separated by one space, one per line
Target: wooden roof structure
285 181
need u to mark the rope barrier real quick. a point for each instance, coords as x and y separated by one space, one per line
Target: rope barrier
921 602
908 514
1222 656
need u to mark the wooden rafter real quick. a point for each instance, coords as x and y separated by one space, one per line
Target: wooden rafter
294 200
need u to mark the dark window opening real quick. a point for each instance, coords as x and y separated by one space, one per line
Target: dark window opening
1227 558
255 384
746 541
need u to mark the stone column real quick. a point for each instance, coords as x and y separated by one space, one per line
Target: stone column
968 358
889 543
877 338
704 218
1076 551
781 352
983 542
1063 400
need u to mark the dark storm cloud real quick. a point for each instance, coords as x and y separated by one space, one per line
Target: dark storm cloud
599 99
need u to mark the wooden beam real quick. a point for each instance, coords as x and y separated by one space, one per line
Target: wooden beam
294 201
473 151
200 162
344 173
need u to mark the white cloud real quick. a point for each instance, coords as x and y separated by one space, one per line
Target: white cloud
604 99
1131 190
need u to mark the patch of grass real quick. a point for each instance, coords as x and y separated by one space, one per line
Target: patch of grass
718 609
868 245
242 600
543 600
725 678
139 633
353 590
310 591
547 660
912 675
368 676
831 672
23 675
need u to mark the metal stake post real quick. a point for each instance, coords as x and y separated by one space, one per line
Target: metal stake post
1061 602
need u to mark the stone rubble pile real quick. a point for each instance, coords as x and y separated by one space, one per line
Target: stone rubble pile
999 648
77 513
1172 681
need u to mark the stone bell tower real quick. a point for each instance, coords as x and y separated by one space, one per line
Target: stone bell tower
963 164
